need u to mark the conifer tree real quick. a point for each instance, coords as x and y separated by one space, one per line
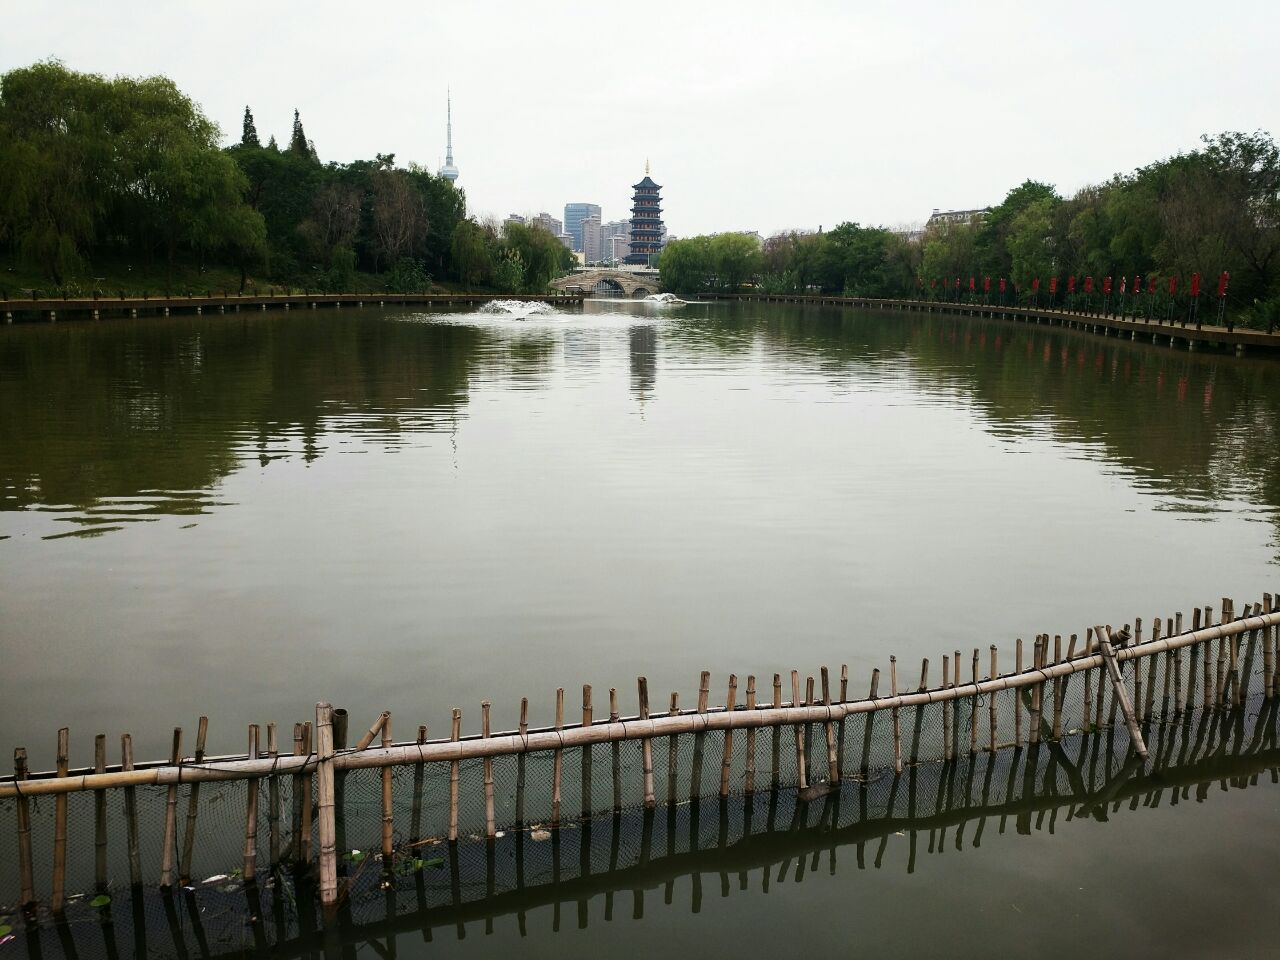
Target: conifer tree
272 145
298 142
249 138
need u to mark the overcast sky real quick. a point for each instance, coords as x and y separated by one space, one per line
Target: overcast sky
755 116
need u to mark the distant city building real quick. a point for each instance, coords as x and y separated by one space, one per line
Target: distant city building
574 214
956 216
548 223
592 249
647 230
616 228
567 240
450 170
616 249
512 218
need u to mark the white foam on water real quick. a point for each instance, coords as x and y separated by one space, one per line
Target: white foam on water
517 309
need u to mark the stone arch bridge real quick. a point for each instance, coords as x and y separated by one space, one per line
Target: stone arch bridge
610 283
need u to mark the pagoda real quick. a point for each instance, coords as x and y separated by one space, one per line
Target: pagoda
646 221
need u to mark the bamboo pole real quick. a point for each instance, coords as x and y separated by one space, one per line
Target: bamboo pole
1037 691
750 785
327 809
1017 701
1152 663
587 708
100 816
273 796
1137 672
897 726
131 814
455 734
557 762
726 757
26 876
993 700
520 761
511 744
646 748
305 811
1206 680
374 729
615 751
193 809
419 776
1087 708
833 760
171 813
388 836
1268 651
802 780
251 813
973 708
58 900
490 817
946 710
776 751
1121 695
672 748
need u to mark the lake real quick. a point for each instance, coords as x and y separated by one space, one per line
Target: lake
389 509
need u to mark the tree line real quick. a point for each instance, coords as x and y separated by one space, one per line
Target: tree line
126 170
1210 210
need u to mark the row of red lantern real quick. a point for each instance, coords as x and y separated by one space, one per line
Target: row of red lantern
1088 285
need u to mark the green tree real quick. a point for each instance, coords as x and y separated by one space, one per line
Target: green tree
249 132
470 251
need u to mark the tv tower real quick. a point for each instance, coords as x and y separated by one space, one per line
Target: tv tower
449 171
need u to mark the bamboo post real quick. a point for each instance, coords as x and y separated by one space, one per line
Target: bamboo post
58 899
326 807
750 785
1179 700
946 710
1206 689
646 746
1059 690
520 761
388 838
955 703
1087 708
695 772
193 809
373 730
557 762
1121 695
1137 670
171 814
419 776
251 812
587 709
305 828
973 708
993 699
726 758
1017 697
776 752
897 726
273 797
340 724
1037 691
1268 651
26 875
100 816
673 710
1152 663
131 813
844 683
802 780
616 751
833 761
490 825
455 768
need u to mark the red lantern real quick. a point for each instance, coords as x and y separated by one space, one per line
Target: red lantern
986 284
1002 284
1088 284
1151 285
1106 286
1222 283
1123 282
957 283
1035 285
1173 285
972 284
1053 285
1071 284
1137 284
1195 285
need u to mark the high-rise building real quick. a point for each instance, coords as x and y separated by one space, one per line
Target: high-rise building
646 221
574 214
616 249
548 223
592 249
449 171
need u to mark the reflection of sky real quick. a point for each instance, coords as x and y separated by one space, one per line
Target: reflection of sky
788 492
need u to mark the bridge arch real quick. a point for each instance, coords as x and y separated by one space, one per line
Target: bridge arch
608 282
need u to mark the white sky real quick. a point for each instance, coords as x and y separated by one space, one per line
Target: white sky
754 115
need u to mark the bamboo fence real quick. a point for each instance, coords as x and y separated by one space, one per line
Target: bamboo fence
313 774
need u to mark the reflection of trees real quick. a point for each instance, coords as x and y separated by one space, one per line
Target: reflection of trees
159 409
642 347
